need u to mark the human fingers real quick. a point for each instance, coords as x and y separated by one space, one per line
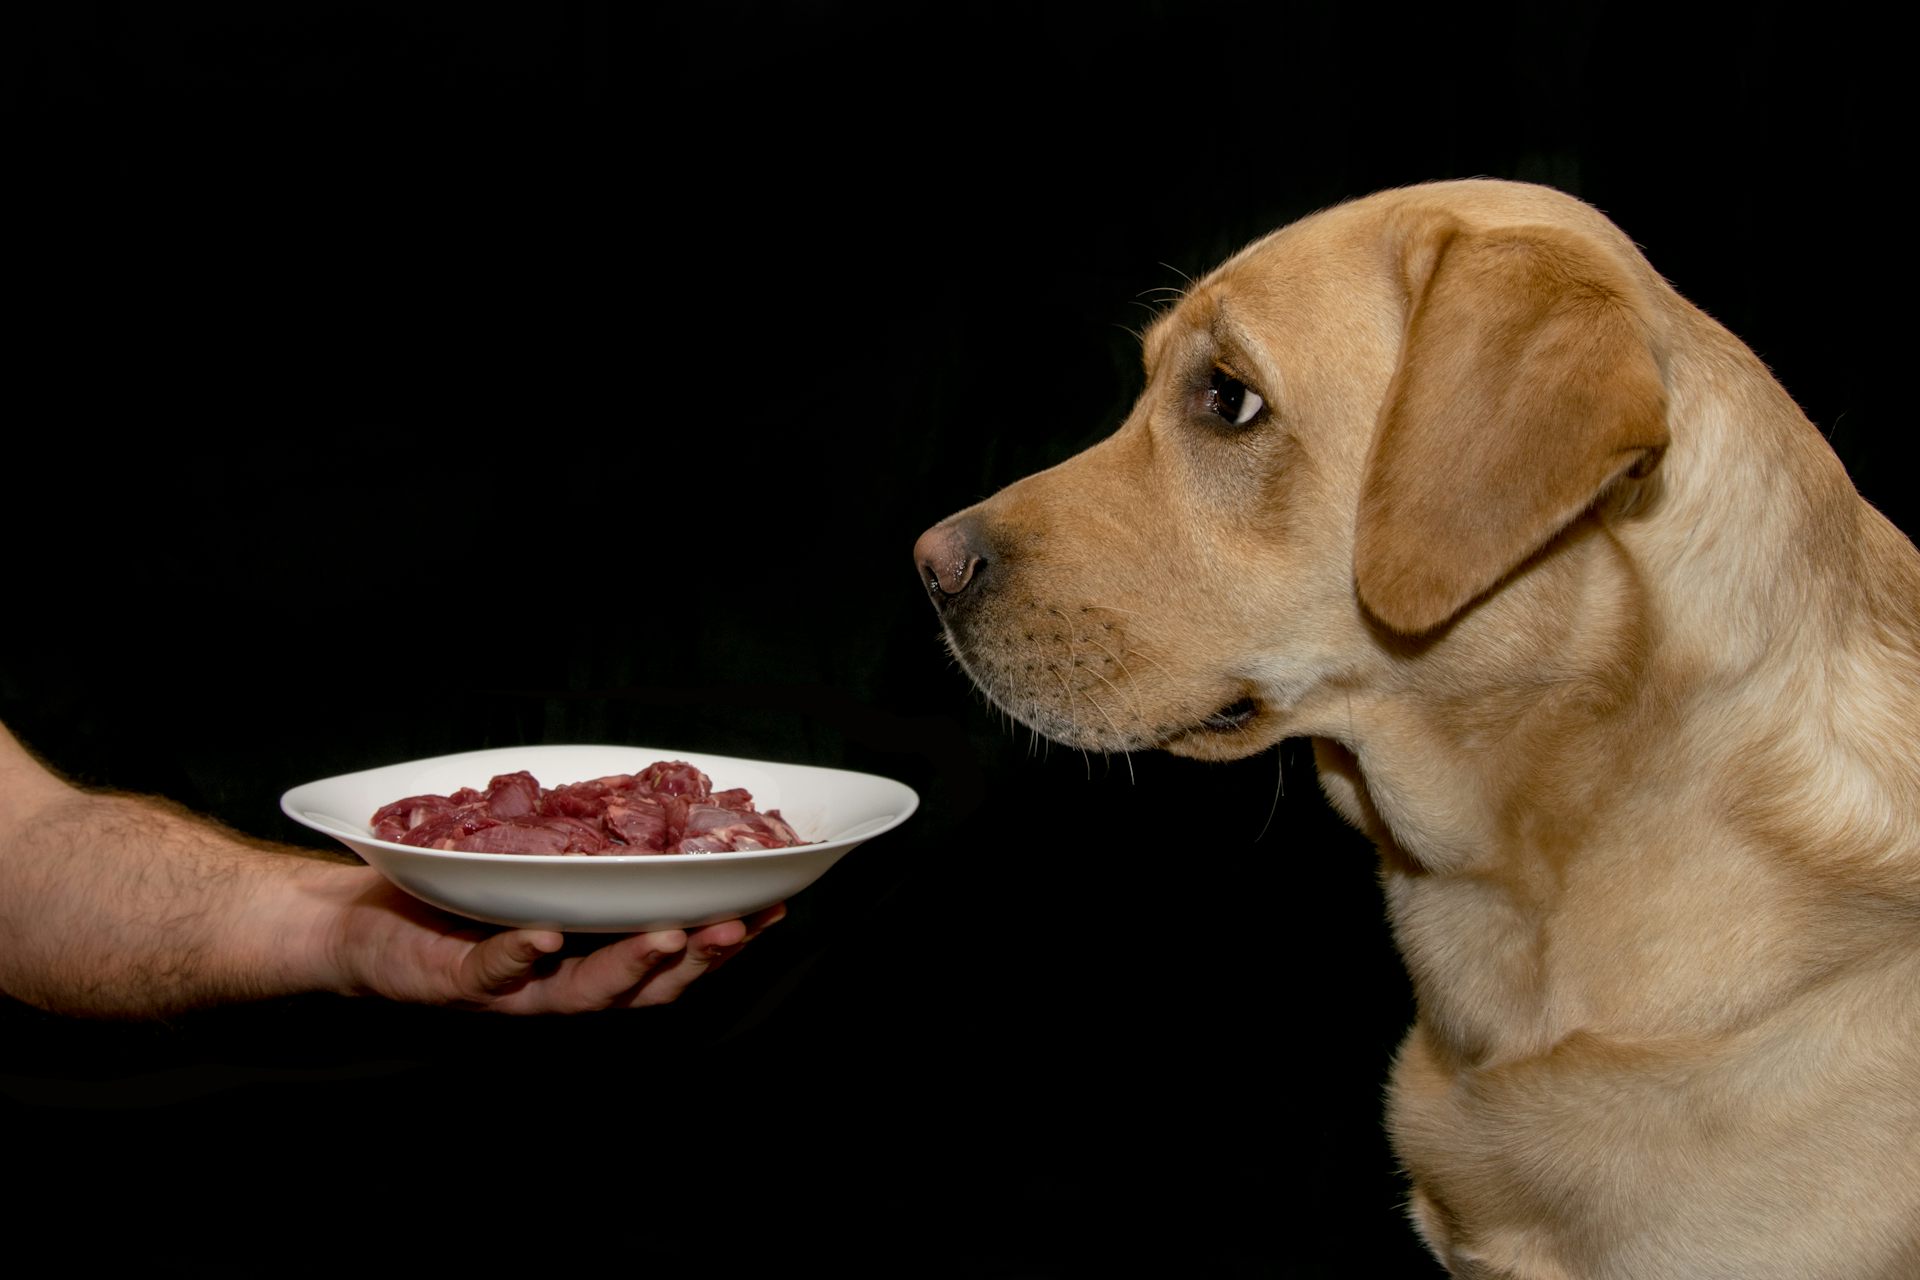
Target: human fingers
601 979
641 970
719 948
671 980
765 919
706 950
503 963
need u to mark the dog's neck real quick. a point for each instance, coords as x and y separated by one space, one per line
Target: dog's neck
1787 617
1728 712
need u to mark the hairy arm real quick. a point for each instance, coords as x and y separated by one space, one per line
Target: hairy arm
116 905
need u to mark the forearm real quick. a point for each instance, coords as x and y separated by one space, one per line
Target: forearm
122 906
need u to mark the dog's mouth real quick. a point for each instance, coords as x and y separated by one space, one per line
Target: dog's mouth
1240 728
1232 717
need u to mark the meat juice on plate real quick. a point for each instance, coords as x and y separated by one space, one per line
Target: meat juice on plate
669 807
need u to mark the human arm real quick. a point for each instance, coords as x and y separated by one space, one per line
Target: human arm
115 905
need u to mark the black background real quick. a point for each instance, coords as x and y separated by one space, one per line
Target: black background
406 379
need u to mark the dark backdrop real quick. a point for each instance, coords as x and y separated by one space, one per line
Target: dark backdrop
400 380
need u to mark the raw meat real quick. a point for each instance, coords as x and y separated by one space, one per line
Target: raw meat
669 807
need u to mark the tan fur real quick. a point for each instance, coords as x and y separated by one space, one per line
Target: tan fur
1599 645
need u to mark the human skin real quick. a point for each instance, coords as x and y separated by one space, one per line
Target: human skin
127 906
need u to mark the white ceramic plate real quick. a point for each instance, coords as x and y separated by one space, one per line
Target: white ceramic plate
626 893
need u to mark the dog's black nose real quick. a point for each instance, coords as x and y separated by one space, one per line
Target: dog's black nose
951 556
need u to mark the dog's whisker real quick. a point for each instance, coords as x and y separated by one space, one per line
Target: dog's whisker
1183 275
1095 704
1279 789
1071 660
1064 686
1139 711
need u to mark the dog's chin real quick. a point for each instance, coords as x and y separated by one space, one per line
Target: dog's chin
1243 727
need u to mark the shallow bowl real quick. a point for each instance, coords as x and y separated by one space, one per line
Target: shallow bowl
626 893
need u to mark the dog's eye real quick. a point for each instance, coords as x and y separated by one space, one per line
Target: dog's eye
1232 400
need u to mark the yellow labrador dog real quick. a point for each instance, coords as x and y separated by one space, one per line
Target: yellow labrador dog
1595 639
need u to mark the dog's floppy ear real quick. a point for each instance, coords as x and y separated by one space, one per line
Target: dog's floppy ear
1527 384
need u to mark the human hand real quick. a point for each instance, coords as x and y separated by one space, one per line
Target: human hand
389 943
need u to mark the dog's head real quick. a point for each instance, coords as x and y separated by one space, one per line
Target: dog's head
1355 432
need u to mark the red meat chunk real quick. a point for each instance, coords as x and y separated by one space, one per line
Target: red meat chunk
669 807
